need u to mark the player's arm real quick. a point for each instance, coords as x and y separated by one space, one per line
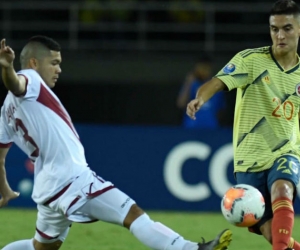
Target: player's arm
13 82
204 93
6 192
184 94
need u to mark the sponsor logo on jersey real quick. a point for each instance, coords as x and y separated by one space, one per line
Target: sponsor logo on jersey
229 68
298 89
267 80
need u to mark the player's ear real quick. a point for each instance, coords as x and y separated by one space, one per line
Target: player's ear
33 63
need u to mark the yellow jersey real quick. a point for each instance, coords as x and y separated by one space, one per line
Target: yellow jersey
266 122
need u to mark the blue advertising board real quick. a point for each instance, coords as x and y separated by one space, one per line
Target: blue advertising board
161 168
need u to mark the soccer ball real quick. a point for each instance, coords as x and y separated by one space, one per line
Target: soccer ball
243 205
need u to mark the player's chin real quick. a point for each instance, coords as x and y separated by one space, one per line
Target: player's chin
282 50
52 83
283 47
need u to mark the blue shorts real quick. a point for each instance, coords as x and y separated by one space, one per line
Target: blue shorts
286 167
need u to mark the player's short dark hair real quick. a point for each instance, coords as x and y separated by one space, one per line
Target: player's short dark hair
285 7
38 47
48 42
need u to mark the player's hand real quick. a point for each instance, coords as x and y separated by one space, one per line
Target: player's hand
192 107
7 55
10 195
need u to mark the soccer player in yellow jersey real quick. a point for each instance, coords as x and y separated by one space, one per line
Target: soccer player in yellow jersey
266 136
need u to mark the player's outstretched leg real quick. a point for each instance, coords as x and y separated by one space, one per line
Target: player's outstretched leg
221 242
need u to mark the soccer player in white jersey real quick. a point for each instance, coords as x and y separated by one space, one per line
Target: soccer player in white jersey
65 189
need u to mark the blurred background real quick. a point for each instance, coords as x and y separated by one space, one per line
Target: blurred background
125 61
129 68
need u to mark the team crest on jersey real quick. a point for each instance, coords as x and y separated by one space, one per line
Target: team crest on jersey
229 68
298 89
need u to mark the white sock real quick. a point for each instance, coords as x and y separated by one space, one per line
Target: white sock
159 237
21 244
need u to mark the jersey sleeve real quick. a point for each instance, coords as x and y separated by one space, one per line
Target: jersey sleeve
235 73
32 84
5 138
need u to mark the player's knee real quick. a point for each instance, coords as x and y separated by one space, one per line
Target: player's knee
134 212
47 246
282 188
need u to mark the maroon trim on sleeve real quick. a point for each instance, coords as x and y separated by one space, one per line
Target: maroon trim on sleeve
5 145
25 91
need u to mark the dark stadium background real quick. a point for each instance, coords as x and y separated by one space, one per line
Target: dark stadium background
118 74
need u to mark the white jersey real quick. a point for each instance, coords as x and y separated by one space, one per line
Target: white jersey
39 124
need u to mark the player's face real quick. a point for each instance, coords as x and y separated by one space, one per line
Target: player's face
49 68
285 33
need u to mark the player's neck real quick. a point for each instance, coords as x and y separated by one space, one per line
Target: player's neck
286 61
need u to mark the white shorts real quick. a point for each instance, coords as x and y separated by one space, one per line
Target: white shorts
89 198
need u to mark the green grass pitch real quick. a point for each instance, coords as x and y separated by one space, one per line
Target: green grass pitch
18 224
